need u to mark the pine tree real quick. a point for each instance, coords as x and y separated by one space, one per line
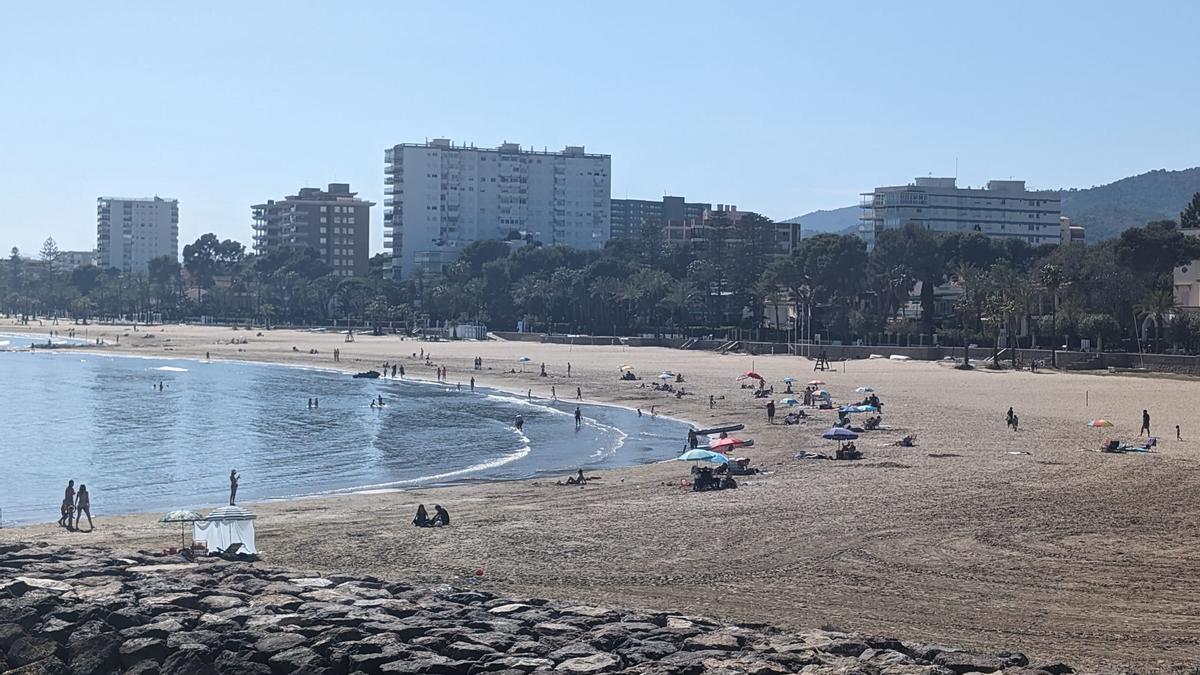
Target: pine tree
50 253
1190 218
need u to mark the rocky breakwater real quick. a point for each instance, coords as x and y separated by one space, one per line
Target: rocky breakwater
89 611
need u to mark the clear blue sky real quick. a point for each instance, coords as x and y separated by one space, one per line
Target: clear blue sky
778 107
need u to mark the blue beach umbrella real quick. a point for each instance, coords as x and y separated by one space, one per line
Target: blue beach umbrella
852 409
788 401
703 456
839 434
789 379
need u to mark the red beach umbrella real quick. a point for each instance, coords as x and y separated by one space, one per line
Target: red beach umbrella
724 445
752 375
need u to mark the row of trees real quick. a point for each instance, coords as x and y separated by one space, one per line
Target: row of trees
971 287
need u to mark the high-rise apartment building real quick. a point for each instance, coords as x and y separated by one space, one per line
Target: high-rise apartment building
629 215
333 222
1003 209
132 232
441 197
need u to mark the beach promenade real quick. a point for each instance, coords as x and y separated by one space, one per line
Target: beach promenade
979 536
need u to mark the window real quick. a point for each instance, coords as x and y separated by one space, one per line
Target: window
323 211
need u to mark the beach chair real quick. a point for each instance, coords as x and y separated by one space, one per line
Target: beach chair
231 551
1152 442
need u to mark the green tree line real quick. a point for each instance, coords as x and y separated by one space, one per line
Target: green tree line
963 286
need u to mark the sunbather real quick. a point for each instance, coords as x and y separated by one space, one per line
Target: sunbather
422 518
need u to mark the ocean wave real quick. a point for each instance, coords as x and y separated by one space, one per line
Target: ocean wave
171 369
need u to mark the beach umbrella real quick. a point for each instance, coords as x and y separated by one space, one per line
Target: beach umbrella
724 444
853 409
816 383
865 390
524 359
751 375
789 379
839 434
1099 423
181 516
626 368
788 401
665 375
703 456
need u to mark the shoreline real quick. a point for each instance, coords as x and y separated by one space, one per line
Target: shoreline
455 477
978 536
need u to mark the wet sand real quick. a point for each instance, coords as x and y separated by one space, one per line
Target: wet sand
1062 553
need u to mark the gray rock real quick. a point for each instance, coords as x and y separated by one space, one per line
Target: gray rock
278 642
29 649
239 663
1052 667
9 633
189 661
964 662
291 660
467 651
49 666
596 663
136 650
721 641
95 654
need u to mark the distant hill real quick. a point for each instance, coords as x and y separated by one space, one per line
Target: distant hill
1105 211
837 221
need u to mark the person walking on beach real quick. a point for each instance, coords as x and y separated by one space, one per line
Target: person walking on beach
770 412
578 418
83 507
1178 437
553 393
68 504
578 394
1145 424
402 372
393 371
711 401
233 486
1008 419
568 368
529 396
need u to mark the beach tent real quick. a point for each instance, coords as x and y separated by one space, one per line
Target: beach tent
854 409
225 526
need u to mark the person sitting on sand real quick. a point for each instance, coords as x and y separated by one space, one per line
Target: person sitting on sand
578 479
906 442
727 483
441 517
422 518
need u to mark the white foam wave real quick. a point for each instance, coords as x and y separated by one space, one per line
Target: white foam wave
171 369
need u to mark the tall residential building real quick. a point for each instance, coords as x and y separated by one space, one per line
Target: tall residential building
1004 209
441 197
628 215
132 232
333 222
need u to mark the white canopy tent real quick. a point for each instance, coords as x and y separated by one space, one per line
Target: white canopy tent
225 526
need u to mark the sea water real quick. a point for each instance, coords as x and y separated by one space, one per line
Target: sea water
103 421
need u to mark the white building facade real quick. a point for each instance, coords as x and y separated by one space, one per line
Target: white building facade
1003 209
441 197
132 232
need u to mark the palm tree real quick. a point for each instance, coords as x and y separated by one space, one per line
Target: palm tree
1155 308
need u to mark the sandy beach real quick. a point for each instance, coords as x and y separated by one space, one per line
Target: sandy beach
979 536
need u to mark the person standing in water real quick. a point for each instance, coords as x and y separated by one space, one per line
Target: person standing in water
83 507
519 423
472 383
553 393
578 418
529 395
233 486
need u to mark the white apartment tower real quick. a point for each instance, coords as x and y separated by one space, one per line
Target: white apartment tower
132 232
1004 209
441 197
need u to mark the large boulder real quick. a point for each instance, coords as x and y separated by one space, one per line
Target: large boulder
136 650
95 654
29 649
596 663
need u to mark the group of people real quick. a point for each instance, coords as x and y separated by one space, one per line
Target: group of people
74 506
1012 420
441 517
704 478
